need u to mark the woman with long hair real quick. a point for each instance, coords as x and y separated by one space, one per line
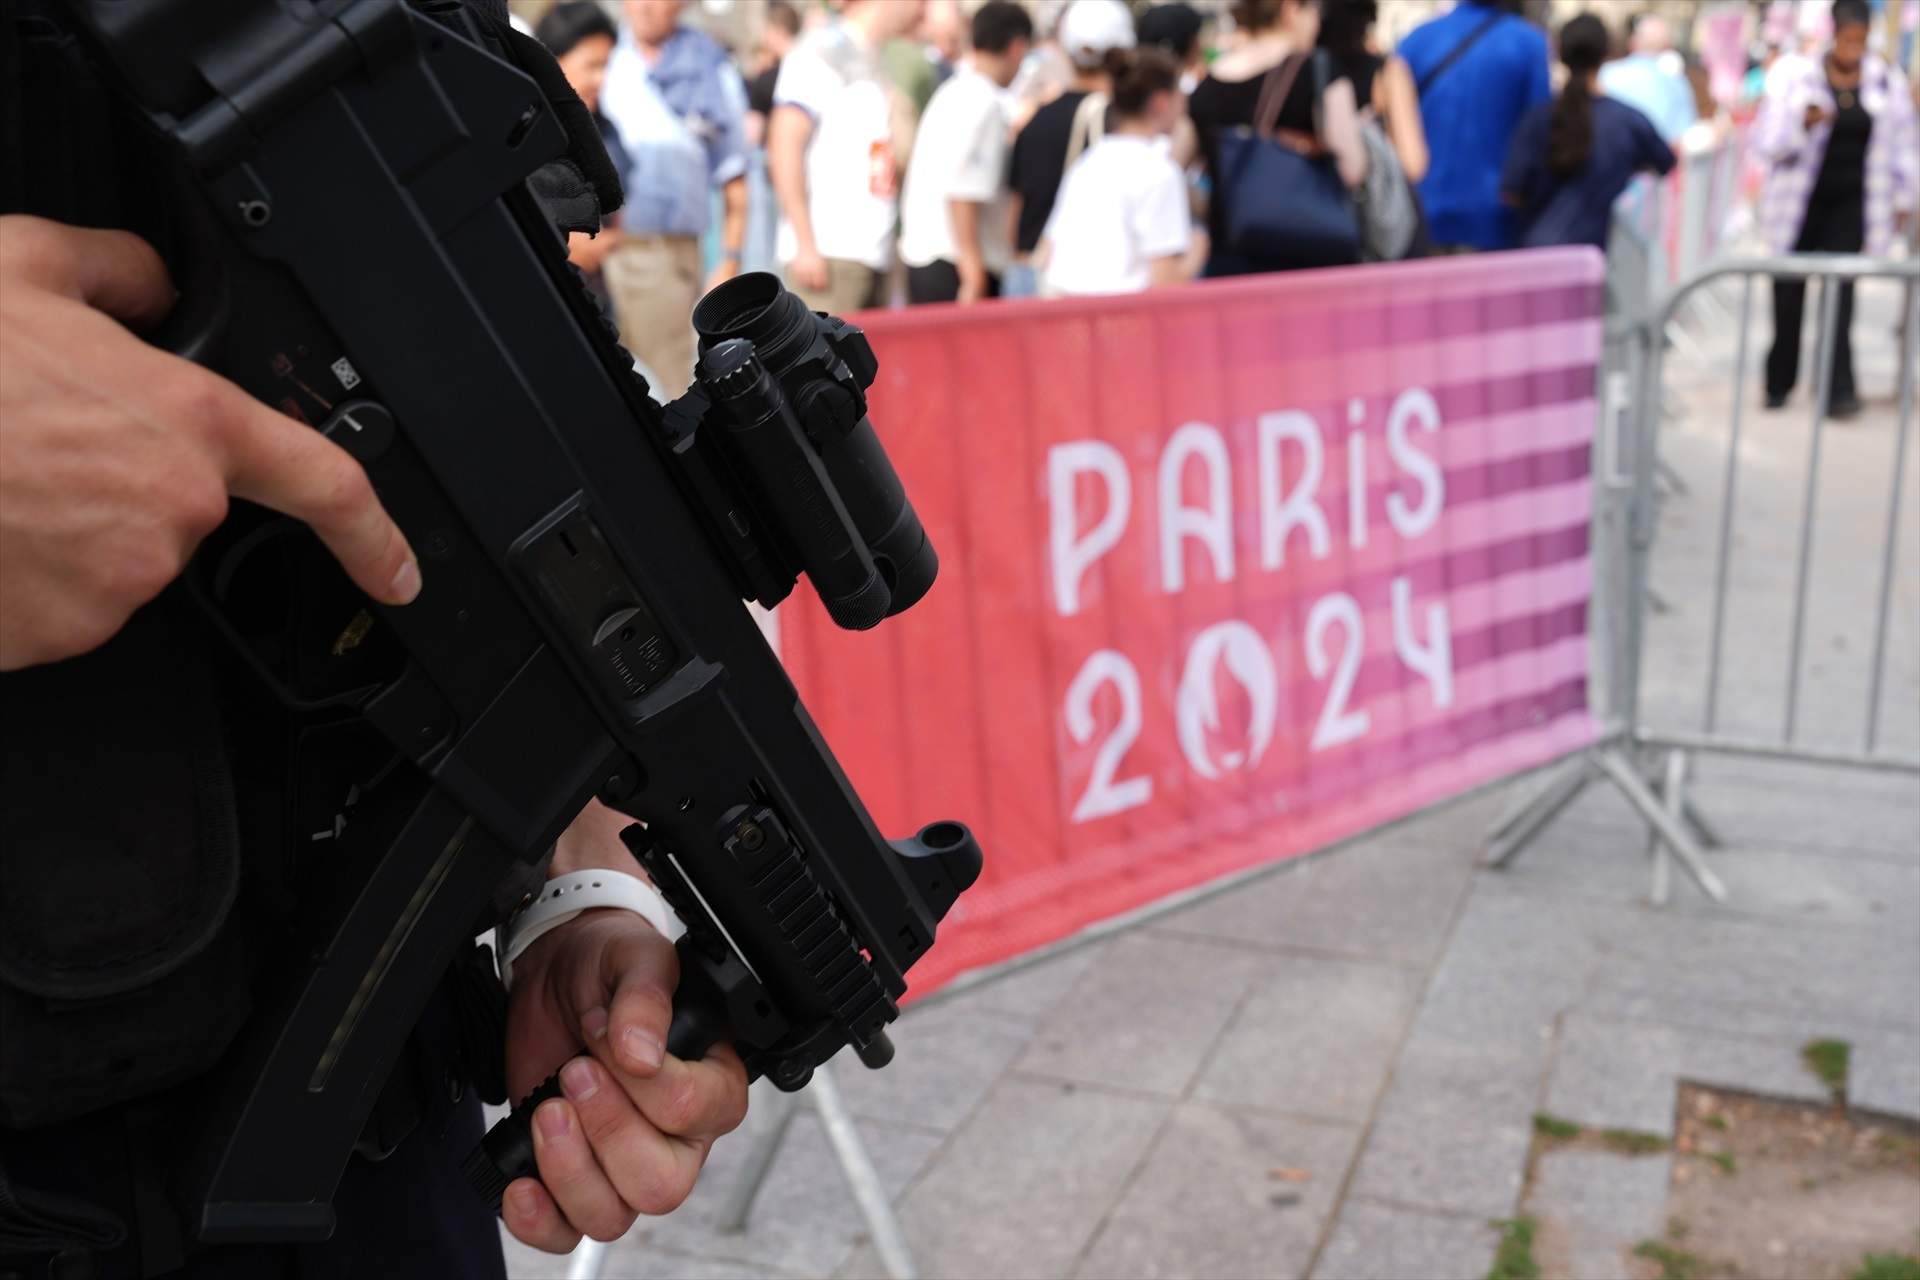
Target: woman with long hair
1322 123
1120 224
1381 82
1838 134
1571 158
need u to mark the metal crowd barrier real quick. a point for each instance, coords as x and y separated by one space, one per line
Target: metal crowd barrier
1645 753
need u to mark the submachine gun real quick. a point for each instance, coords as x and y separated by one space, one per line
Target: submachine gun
364 248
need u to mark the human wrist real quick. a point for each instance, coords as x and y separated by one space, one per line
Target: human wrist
576 900
593 840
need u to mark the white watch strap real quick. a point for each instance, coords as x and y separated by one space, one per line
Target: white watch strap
564 897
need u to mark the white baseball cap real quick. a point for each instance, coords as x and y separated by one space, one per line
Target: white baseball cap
1089 28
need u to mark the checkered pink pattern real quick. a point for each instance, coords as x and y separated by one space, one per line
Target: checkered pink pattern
1794 153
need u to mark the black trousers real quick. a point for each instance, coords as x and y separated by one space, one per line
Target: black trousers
939 281
411 1214
1833 225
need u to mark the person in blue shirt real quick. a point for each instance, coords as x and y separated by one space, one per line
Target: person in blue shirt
681 109
1570 159
1644 81
1478 69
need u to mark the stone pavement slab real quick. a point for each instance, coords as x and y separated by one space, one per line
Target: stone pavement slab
1385 1242
1146 1017
1446 1151
1023 1188
1617 1074
1026 996
1383 899
1884 1074
1725 973
1315 1038
1225 1193
1518 959
946 1057
1593 1207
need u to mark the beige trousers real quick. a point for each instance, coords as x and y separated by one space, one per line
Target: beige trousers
851 286
654 282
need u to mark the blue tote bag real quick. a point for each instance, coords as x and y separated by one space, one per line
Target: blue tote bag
1280 206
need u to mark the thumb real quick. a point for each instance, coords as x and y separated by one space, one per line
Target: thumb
639 971
113 271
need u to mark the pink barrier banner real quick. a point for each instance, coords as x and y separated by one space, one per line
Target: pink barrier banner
1228 573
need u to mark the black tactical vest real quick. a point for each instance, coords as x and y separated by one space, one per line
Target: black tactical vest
161 811
120 840
157 803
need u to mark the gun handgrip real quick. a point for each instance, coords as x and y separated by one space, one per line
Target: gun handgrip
506 1152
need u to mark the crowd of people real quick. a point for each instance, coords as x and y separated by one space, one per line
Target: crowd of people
876 151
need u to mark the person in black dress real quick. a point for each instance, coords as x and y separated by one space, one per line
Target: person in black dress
1836 216
1228 97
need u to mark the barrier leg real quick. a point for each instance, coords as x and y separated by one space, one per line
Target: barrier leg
585 1261
1675 482
1621 772
862 1178
855 1164
746 1187
1518 828
1697 822
1672 792
1709 835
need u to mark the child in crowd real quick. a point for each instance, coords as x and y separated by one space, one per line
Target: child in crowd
1120 223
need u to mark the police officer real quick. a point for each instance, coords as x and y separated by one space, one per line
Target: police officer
139 769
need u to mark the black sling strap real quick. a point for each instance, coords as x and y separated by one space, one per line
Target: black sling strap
1454 55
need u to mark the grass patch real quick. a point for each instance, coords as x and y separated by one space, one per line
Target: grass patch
1724 1160
1828 1059
1553 1126
1888 1266
1631 1142
1675 1264
1513 1260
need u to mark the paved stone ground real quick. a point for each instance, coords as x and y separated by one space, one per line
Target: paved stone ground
1331 1071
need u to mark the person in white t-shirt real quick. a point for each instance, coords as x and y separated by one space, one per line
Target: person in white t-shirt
1121 222
953 212
832 157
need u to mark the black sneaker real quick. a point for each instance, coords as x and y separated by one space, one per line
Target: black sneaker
1776 401
1845 410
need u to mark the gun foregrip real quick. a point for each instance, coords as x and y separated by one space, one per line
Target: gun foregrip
506 1152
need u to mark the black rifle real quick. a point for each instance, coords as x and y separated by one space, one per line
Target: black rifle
362 238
